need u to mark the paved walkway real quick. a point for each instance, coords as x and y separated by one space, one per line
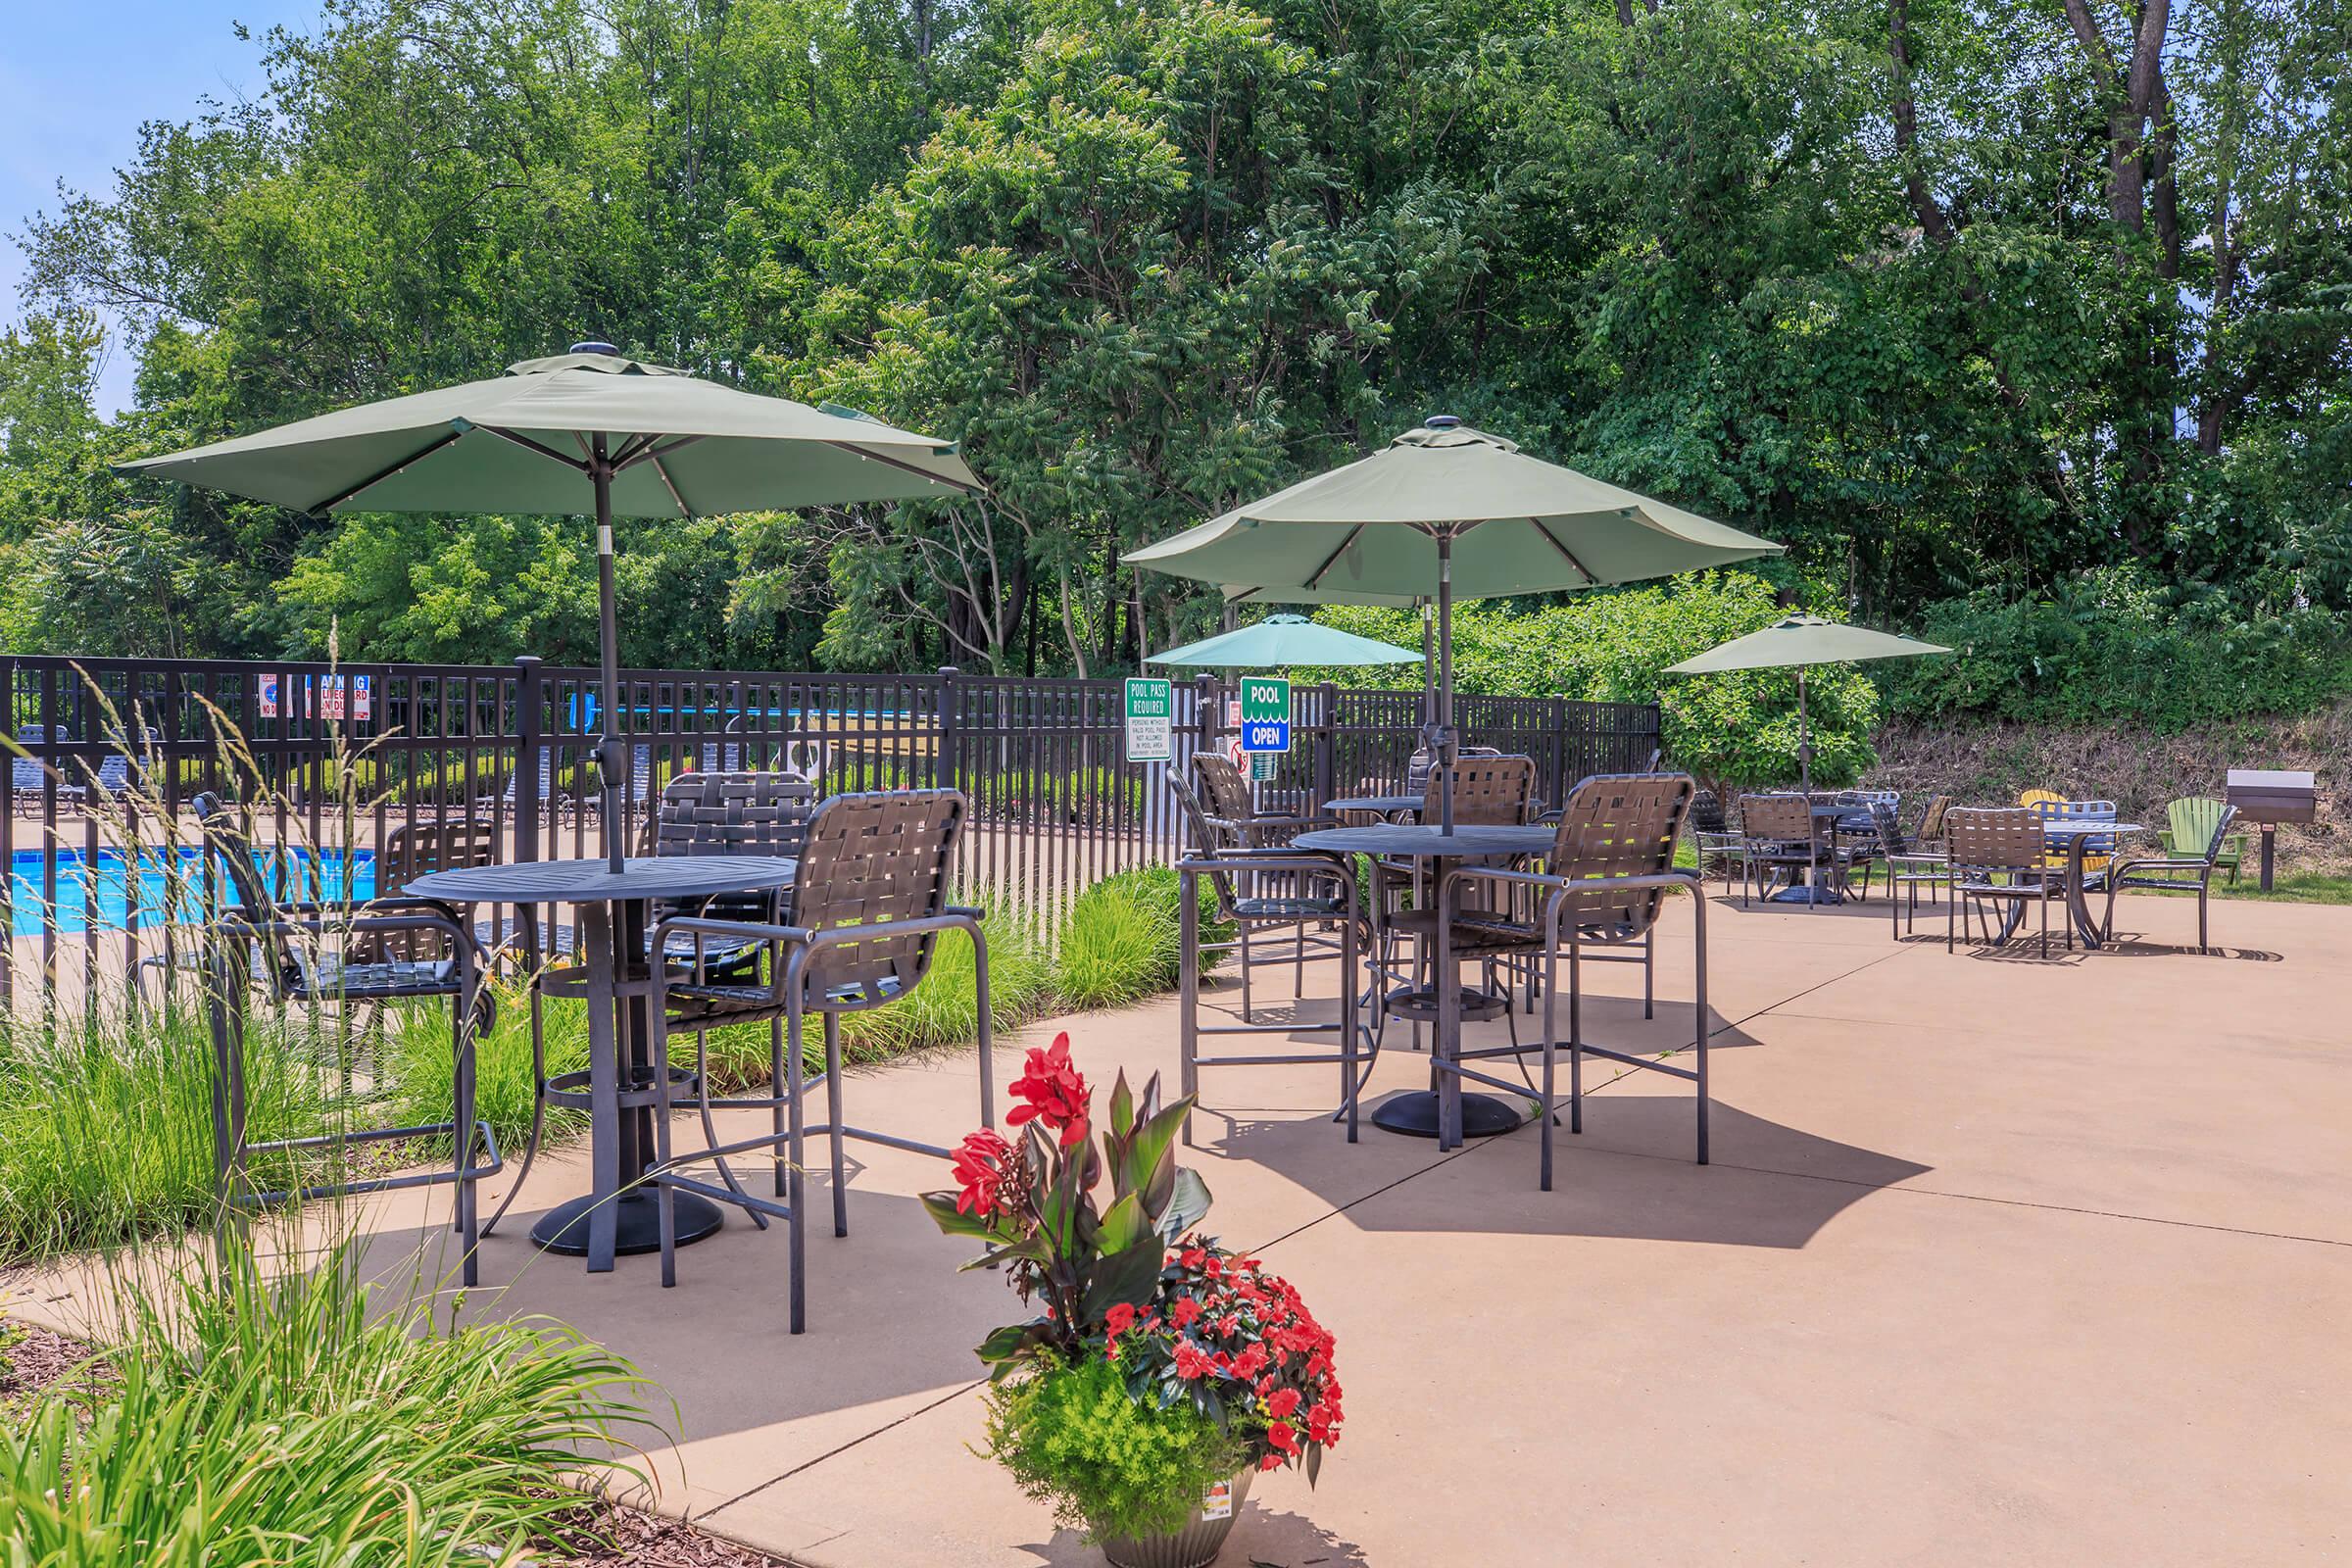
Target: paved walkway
2002 1260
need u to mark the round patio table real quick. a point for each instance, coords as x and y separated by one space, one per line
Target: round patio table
616 1214
2078 837
1443 1111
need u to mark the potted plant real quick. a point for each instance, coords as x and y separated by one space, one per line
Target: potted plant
1161 1371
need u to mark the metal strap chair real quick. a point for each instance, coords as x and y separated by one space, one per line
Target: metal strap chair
1605 883
1995 856
1712 838
292 947
1230 819
1776 833
2175 873
1909 868
1318 888
868 907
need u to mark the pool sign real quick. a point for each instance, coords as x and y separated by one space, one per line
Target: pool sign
1150 709
1266 713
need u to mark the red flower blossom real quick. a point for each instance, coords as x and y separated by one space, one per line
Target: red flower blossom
1119 1319
1281 1403
1183 1312
1054 1093
1272 1461
1283 1437
988 1173
1192 1257
1190 1360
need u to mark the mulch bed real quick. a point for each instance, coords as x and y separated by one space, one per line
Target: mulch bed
603 1535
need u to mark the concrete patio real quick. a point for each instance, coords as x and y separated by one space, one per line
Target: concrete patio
2000 1261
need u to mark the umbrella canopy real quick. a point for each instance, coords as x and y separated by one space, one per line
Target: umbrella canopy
1442 511
1515 524
1280 640
1802 640
679 447
1797 641
593 432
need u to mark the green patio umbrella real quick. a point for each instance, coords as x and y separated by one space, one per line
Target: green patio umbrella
1796 642
591 433
1282 640
1445 511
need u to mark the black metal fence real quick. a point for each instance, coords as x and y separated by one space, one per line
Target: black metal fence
333 757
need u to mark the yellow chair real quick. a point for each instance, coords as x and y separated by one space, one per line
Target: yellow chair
2030 798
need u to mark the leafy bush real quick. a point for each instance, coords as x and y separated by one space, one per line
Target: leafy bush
1615 647
106 1125
2113 646
1122 939
1073 1437
294 1422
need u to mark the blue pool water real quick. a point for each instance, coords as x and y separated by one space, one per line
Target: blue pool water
97 893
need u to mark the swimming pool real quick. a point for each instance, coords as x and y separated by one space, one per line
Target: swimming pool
96 894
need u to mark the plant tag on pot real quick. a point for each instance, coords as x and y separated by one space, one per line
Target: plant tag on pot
1217 1501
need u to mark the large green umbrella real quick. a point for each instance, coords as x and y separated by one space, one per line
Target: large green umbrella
1794 642
1441 511
589 432
1283 640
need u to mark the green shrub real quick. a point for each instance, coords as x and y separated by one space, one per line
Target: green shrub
1614 647
106 1126
1122 940
294 1422
2114 647
1073 1437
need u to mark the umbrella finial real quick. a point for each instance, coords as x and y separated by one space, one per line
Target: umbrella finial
596 346
1442 421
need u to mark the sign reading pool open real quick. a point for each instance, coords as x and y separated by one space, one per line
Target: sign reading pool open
1266 713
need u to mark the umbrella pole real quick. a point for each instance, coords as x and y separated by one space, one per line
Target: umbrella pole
611 756
1449 752
1804 737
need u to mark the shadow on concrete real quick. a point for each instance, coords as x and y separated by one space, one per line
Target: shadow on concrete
1262 1537
1628 1175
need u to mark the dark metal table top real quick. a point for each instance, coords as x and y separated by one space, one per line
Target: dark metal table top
1428 841
1385 804
668 876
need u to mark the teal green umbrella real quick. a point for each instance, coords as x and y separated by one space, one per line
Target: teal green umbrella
1441 511
1283 640
1794 642
591 433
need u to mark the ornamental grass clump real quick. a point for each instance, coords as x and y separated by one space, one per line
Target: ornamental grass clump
1144 1326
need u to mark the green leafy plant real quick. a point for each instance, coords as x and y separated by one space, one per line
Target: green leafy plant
1073 1437
1122 940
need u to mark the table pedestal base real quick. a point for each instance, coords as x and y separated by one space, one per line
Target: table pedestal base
637 1223
1416 1115
1805 893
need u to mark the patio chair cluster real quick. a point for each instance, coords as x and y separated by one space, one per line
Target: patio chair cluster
1513 892
1988 865
70 781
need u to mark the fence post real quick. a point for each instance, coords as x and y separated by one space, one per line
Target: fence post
1559 752
1327 742
946 770
529 746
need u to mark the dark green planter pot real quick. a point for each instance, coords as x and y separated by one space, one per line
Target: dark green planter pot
1195 1545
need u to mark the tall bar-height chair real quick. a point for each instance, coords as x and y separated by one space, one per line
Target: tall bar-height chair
868 907
1996 854
339 954
1319 887
1232 814
1605 885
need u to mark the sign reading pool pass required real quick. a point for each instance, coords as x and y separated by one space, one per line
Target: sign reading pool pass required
1151 709
1266 713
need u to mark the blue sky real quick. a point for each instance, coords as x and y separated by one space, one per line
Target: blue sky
77 79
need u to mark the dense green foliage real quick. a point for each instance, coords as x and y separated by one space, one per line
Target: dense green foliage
1730 729
297 1422
1123 938
1961 303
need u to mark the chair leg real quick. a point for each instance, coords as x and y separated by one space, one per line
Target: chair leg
775 1088
1187 992
796 1250
1551 1036
1649 954
1575 1035
1348 1080
2204 941
833 1114
530 1147
1242 935
666 1204
461 1071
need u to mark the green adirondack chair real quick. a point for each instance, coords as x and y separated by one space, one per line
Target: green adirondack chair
2191 824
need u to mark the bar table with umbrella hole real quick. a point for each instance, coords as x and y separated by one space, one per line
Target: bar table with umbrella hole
1443 511
598 433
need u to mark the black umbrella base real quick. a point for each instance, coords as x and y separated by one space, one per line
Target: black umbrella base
1804 894
1416 1115
637 1217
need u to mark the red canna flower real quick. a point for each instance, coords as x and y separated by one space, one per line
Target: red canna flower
1052 1091
988 1173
